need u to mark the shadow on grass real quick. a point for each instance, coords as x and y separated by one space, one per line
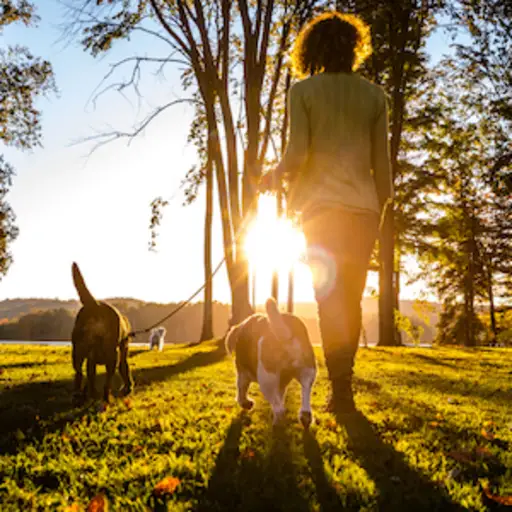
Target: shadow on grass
253 481
20 366
437 361
327 495
33 409
455 387
400 487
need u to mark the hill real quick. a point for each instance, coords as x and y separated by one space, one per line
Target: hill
18 318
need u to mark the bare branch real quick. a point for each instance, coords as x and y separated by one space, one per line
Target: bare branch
107 137
168 28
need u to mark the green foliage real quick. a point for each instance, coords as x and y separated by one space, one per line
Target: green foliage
23 78
56 323
453 326
418 444
413 330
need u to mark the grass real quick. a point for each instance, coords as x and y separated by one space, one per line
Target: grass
435 425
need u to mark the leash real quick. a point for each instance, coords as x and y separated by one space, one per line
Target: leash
178 308
242 230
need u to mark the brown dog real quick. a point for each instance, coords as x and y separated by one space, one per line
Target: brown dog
100 335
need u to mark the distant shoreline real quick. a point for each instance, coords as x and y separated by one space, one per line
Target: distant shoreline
67 343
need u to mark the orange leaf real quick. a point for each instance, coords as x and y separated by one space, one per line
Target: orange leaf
460 456
484 452
128 403
488 435
73 508
98 504
248 454
502 500
166 486
434 424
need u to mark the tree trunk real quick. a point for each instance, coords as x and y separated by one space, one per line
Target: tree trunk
492 311
207 330
386 296
396 301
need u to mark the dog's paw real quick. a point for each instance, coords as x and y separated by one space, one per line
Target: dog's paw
247 404
306 418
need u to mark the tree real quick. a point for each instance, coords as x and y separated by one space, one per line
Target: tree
486 62
23 78
461 225
194 179
232 57
398 62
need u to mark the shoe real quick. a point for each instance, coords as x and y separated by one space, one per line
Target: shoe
341 400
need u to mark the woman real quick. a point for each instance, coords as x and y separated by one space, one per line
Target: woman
337 165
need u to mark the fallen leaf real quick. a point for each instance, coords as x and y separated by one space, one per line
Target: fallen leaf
74 507
98 504
502 500
331 424
439 417
166 486
489 424
460 456
247 454
484 452
434 424
488 435
128 403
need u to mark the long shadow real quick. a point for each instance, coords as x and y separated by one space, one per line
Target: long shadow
250 481
432 360
399 486
34 409
13 366
327 495
455 387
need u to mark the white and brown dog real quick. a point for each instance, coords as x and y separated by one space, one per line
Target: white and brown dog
157 338
273 349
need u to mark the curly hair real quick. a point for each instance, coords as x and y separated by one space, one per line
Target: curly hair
331 42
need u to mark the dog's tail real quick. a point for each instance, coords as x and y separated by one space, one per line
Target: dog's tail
85 295
231 339
277 324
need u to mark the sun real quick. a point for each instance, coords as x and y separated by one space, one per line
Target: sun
273 242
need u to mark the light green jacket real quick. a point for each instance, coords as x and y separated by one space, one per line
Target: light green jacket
337 153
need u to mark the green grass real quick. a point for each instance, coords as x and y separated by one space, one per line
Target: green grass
417 443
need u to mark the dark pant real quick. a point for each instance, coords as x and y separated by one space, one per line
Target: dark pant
340 244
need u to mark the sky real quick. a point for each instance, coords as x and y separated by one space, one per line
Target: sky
94 209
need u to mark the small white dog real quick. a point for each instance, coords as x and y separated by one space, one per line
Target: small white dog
273 349
157 338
